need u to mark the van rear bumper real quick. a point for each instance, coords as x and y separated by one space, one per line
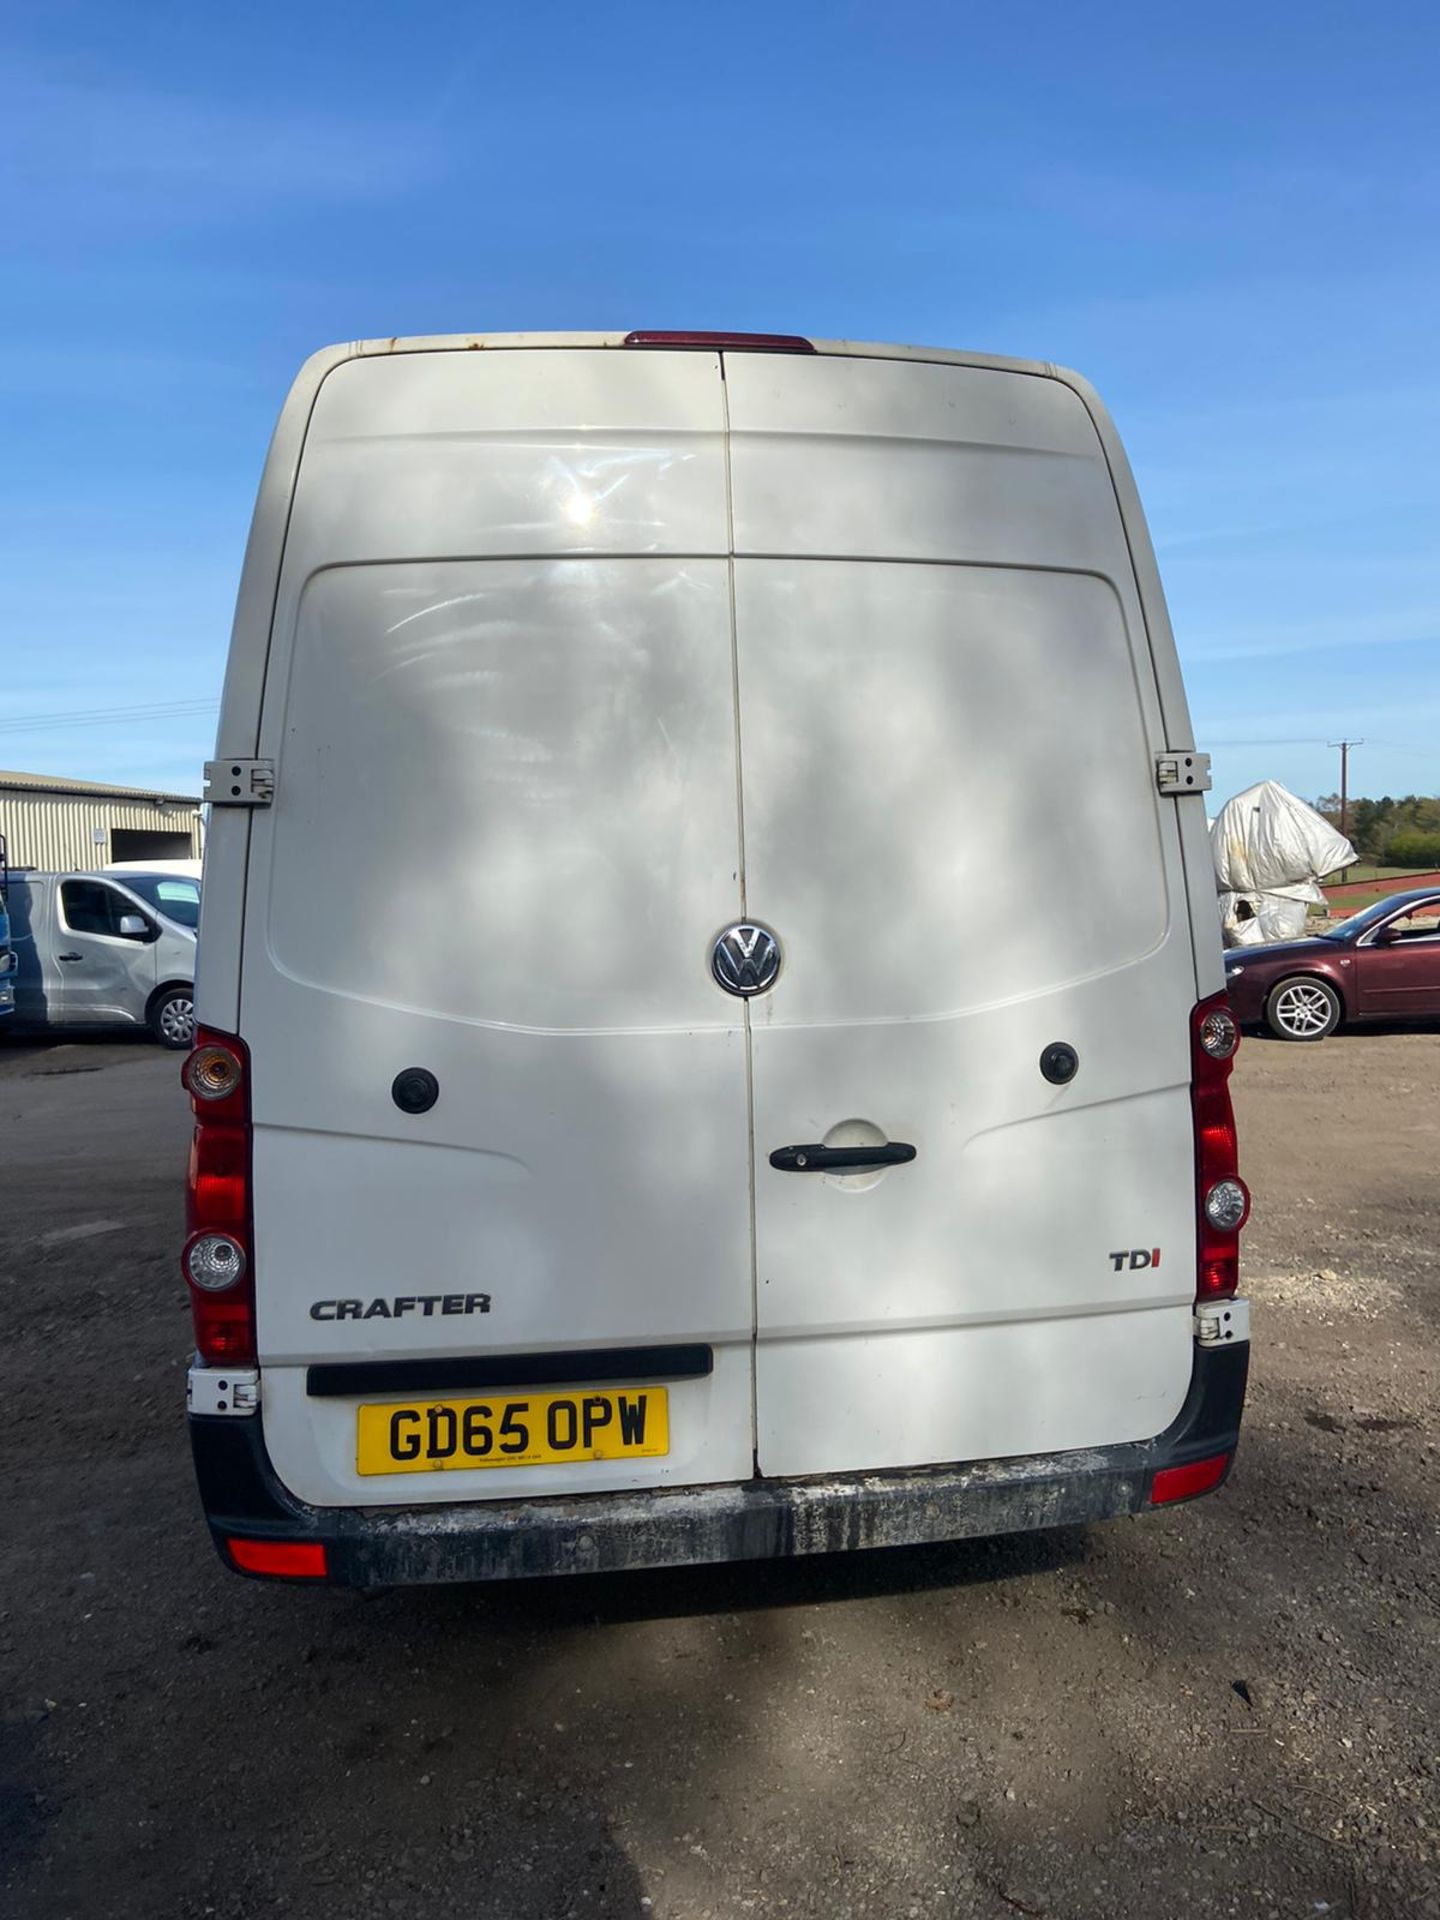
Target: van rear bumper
687 1526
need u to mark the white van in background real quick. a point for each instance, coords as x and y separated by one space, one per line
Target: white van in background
96 952
712 1025
177 869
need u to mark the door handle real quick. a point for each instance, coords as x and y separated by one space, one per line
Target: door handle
823 1159
69 956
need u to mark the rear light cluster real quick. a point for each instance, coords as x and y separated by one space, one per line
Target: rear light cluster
216 1260
1223 1199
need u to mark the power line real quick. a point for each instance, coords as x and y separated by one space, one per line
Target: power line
105 716
93 713
1390 746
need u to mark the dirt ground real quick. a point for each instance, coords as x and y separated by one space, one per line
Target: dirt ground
1232 1708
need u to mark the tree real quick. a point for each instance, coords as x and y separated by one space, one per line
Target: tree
1375 826
1413 847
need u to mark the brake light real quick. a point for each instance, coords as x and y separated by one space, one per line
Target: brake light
728 342
217 1259
1221 1196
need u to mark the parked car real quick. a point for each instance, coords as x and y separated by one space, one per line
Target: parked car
100 950
617 1143
1383 963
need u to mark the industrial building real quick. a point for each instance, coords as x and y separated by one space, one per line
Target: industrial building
79 824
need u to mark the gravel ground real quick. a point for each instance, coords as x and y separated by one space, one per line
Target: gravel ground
1232 1708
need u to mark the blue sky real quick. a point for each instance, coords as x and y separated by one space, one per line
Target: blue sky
1226 216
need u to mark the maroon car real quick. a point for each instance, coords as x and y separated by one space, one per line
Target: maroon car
1383 963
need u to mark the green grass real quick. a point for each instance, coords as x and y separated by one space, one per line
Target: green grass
1367 870
1349 903
1342 909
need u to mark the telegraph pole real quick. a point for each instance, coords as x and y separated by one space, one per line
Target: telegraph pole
1345 746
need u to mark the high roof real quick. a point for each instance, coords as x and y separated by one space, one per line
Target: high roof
97 790
498 342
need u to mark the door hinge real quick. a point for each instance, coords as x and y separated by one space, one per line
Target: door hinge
1222 1323
222 1390
1182 770
239 783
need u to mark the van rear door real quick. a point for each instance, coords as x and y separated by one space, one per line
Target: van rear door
948 717
505 834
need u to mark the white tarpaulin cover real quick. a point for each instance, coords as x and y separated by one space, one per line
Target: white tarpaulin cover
1270 850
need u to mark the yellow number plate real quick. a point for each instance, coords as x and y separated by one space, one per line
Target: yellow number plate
512 1430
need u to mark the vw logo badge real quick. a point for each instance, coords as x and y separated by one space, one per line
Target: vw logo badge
746 959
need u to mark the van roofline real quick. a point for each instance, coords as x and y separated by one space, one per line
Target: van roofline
331 356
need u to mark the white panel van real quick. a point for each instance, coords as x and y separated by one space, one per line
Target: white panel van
712 1027
92 952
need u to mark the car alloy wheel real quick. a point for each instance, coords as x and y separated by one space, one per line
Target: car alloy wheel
1303 1009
